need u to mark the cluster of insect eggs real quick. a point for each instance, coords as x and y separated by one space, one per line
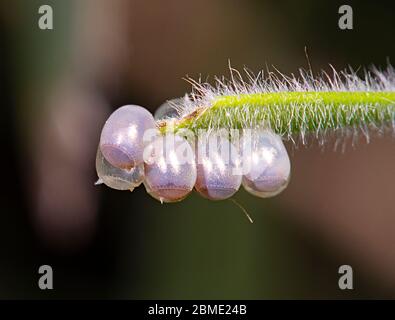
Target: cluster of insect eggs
170 167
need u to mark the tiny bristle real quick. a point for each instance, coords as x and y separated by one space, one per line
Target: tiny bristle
204 96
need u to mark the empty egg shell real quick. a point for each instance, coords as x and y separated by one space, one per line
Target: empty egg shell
167 109
116 178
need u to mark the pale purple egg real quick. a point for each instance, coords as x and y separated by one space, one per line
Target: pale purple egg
170 169
266 164
121 140
116 178
218 171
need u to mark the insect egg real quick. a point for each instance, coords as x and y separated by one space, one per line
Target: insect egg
116 178
170 168
266 165
121 140
167 109
218 177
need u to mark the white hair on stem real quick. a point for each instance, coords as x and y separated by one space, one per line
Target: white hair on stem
301 108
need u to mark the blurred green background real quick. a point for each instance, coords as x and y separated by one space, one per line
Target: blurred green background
58 87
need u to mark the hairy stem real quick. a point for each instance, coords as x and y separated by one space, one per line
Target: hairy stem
293 112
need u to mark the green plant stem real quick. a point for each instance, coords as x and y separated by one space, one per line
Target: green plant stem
288 113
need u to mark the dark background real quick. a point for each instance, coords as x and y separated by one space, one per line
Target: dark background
59 86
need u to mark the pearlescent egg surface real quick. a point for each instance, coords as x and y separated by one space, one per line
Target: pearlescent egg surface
170 168
266 165
218 171
121 140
